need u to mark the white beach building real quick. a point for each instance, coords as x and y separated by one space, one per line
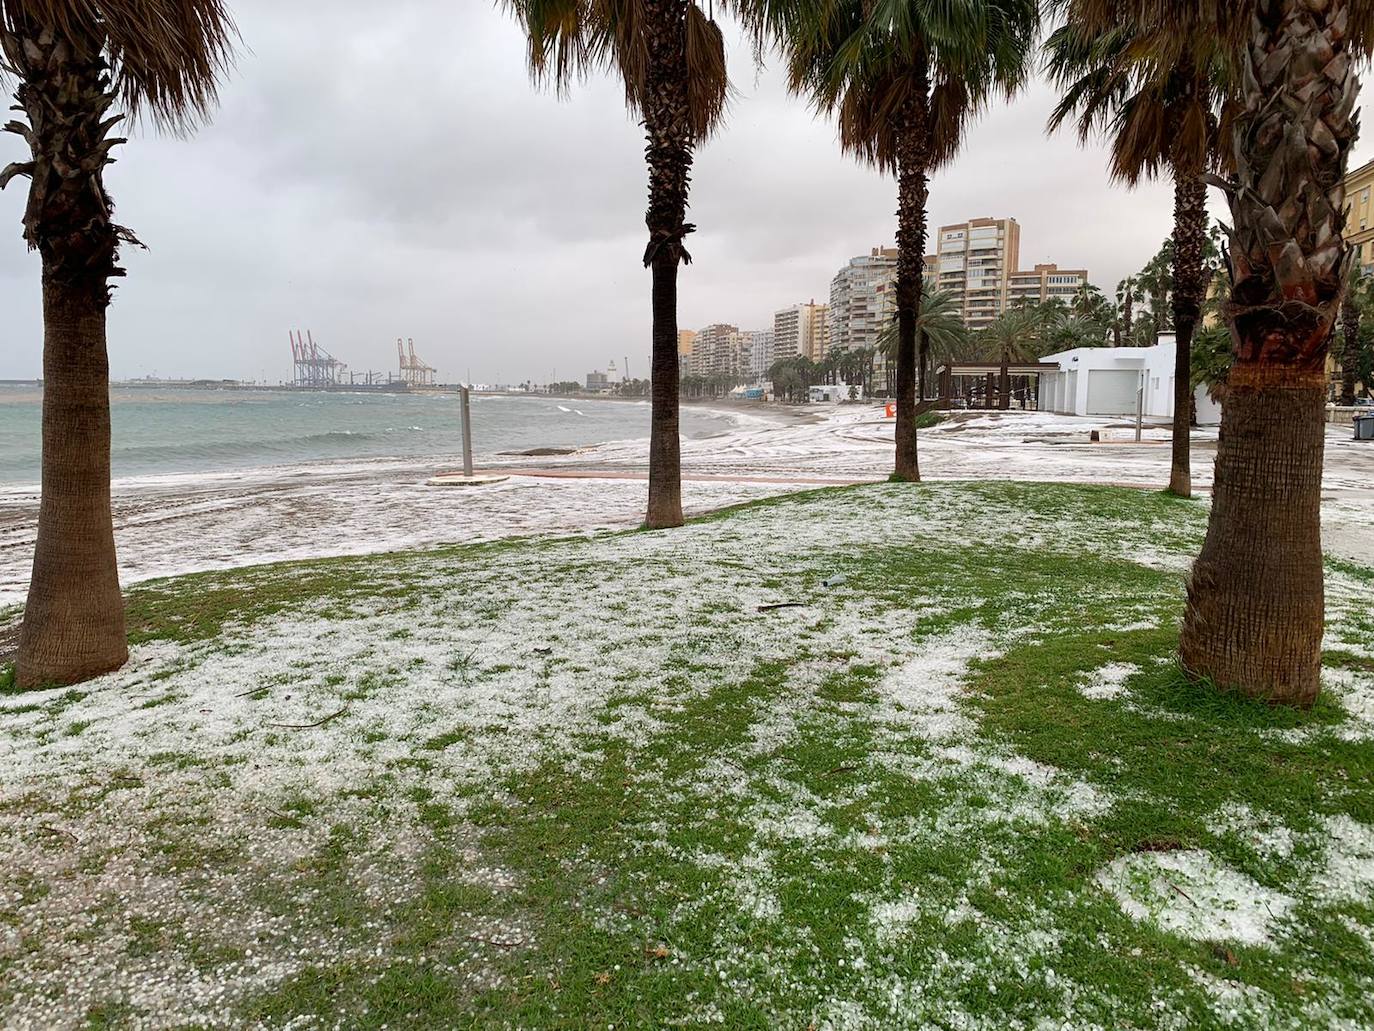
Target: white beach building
1104 381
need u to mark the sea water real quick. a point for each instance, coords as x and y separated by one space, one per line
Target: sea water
180 431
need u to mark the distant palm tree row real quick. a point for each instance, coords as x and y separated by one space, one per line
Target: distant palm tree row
1255 97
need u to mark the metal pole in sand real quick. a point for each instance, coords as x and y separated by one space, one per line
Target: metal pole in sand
467 435
467 479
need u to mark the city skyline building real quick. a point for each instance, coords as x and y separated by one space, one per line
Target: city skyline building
720 349
862 299
974 262
762 353
1046 282
802 329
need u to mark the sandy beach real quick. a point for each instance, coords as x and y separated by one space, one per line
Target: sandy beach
170 525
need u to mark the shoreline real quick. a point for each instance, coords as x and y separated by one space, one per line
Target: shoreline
175 524
732 417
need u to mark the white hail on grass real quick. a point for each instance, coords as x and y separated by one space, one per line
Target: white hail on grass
1108 681
1193 894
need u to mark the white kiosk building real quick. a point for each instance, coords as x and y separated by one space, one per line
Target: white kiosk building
1105 380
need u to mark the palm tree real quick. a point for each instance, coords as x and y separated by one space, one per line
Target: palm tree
903 79
1156 282
939 327
1088 302
1211 360
1158 98
73 61
1075 331
671 58
1011 337
1127 293
1254 616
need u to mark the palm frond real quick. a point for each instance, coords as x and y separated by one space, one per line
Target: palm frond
876 65
1158 94
166 56
568 40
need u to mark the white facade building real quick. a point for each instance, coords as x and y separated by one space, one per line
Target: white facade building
802 329
1105 381
761 353
862 300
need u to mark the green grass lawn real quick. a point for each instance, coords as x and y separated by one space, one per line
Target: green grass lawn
960 783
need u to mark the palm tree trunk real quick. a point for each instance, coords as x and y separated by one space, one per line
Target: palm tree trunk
74 620
912 192
1004 383
73 626
1190 242
668 129
1350 348
1253 621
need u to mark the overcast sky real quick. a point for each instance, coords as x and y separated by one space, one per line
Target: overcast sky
376 172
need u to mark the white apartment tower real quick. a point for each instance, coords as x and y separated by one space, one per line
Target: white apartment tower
725 350
802 329
863 299
762 353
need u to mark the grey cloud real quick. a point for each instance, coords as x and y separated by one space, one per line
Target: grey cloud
372 177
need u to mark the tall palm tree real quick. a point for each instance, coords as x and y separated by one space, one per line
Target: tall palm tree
903 80
670 57
1075 331
1156 282
74 60
1254 617
1158 98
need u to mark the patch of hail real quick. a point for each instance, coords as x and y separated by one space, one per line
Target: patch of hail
1193 894
444 675
1266 835
1108 681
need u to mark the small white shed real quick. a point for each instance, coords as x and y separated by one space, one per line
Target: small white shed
822 392
1103 381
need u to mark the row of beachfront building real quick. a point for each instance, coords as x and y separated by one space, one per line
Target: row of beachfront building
976 262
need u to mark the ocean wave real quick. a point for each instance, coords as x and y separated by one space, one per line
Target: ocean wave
155 454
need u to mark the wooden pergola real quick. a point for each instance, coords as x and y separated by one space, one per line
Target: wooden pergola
983 380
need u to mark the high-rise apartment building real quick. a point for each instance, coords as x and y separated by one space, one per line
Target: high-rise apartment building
762 352
975 260
725 350
802 329
1045 283
862 299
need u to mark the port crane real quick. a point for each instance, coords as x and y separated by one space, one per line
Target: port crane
414 372
313 366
